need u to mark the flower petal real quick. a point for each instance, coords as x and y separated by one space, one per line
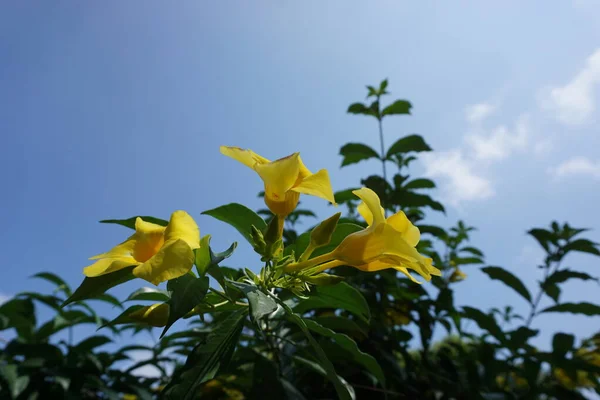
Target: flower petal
279 176
182 226
143 244
371 199
402 224
364 211
156 315
108 265
246 157
174 259
317 185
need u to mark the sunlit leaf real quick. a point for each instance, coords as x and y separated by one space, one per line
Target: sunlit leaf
240 217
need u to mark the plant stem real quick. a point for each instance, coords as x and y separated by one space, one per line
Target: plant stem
382 161
538 297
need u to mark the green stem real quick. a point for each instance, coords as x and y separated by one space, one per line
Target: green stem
295 267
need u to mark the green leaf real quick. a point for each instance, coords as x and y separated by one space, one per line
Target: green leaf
583 246
508 279
551 289
343 391
350 346
432 230
584 308
398 107
123 318
149 294
359 108
16 384
421 183
467 260
130 222
473 251
341 296
543 237
520 336
18 314
322 279
206 359
53 278
107 298
206 259
187 292
407 144
341 324
561 344
566 274
485 322
345 195
356 152
93 287
240 217
261 304
92 342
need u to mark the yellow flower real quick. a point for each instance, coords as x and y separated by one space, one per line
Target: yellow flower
457 275
156 315
158 253
284 179
386 243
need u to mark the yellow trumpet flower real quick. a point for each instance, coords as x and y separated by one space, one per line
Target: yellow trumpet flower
386 243
156 315
284 179
158 253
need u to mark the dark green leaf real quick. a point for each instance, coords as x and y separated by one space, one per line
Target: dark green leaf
566 274
432 230
473 251
187 292
407 144
421 183
543 237
583 246
520 336
561 344
206 259
261 304
359 108
205 360
502 275
585 308
240 217
92 287
353 153
343 391
107 298
124 318
467 260
130 222
350 346
552 290
92 342
485 322
397 107
341 296
341 324
345 195
18 314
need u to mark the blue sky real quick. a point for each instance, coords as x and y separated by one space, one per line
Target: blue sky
115 109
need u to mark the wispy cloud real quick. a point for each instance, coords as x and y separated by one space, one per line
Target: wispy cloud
476 113
574 103
576 166
463 183
499 142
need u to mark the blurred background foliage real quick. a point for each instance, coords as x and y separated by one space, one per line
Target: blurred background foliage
378 329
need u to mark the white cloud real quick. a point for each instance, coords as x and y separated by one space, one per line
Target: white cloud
576 166
574 103
464 183
4 298
499 143
476 113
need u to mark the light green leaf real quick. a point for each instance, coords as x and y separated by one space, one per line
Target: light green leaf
341 296
16 384
350 346
149 294
240 217
502 275
261 304
206 358
205 258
